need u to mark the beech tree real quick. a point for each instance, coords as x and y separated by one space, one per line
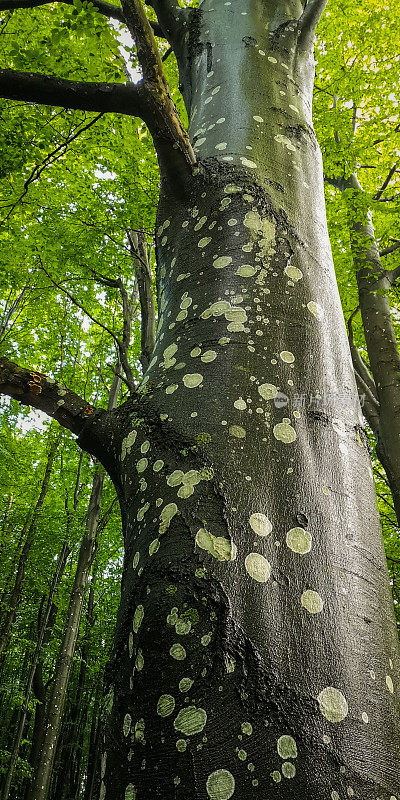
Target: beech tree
256 653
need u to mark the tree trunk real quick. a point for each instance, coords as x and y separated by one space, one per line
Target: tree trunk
44 627
55 704
256 653
75 721
373 286
94 748
41 780
12 602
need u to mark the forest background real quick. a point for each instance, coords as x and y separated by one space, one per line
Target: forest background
76 191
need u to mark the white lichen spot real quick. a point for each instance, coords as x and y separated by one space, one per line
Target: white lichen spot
127 444
287 356
312 601
181 745
299 540
267 391
246 271
288 769
219 548
257 118
154 546
177 652
165 705
284 432
138 618
171 388
247 163
257 567
276 776
221 146
139 663
333 704
127 724
287 747
192 380
260 524
167 513
204 242
389 684
247 728
272 60
284 140
185 684
237 431
190 720
365 717
158 465
168 354
293 273
222 261
220 785
208 356
315 309
240 404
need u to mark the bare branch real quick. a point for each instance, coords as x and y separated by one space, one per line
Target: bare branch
393 274
138 244
120 345
31 388
359 367
387 252
386 182
310 19
101 97
57 153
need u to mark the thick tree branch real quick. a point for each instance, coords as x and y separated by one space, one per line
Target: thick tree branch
170 138
310 19
48 90
107 9
31 388
170 17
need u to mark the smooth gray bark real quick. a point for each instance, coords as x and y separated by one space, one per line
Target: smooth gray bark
256 653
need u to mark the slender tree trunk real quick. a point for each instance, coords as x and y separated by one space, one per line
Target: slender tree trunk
42 628
256 653
374 283
75 720
12 602
56 700
94 749
41 780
